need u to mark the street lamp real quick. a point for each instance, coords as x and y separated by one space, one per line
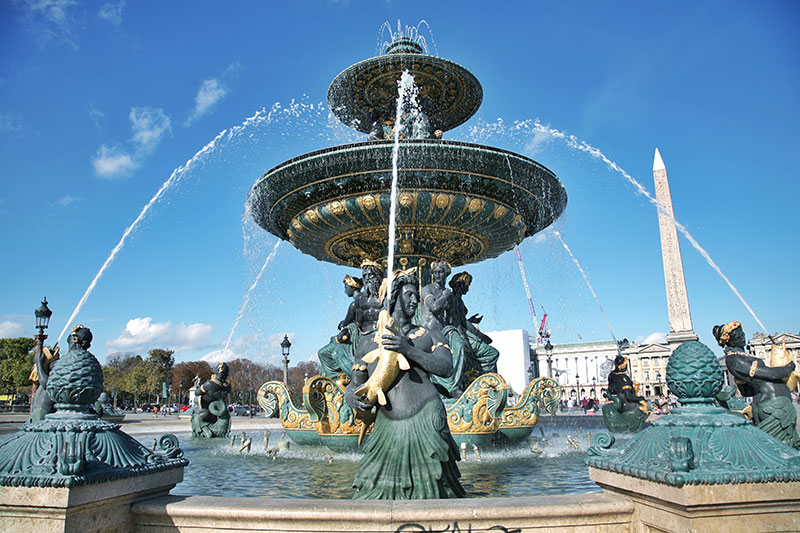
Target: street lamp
42 314
285 345
548 349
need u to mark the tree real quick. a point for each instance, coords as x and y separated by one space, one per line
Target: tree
183 375
118 372
297 377
16 362
159 369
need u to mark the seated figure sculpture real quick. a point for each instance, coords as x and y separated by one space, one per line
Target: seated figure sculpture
410 453
212 418
627 411
336 357
473 354
771 409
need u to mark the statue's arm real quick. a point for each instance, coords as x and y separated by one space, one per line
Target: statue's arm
359 377
350 316
437 359
437 304
42 368
743 366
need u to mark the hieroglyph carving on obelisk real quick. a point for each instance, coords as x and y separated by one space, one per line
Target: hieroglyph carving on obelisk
680 318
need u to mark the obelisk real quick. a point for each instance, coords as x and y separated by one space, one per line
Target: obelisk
680 318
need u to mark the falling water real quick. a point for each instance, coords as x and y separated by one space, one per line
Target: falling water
262 116
246 298
588 284
539 130
407 96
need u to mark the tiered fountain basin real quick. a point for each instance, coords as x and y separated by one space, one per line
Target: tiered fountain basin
458 202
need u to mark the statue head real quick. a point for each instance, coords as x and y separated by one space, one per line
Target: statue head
80 337
729 335
404 290
460 282
621 363
372 273
222 371
440 270
351 284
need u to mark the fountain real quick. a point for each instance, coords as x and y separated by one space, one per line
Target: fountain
461 203
456 202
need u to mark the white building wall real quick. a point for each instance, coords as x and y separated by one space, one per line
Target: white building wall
514 348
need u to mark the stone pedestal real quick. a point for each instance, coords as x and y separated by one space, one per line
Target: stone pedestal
690 508
94 508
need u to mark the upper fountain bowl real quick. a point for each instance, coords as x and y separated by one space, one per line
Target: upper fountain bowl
366 93
457 201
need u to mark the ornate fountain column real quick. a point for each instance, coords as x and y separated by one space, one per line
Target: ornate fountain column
680 318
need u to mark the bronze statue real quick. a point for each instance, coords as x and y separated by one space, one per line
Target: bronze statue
771 409
79 337
473 354
410 453
336 357
368 301
627 411
435 298
213 419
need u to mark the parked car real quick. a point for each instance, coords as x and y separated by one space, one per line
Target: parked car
244 410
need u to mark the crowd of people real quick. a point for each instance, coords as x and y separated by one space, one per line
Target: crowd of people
660 405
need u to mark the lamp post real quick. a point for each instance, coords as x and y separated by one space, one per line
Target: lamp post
42 314
285 345
594 382
578 386
548 349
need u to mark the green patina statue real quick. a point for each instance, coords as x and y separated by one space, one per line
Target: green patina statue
71 446
627 411
410 453
212 418
472 350
336 357
772 409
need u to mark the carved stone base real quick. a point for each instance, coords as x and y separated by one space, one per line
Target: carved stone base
94 508
723 507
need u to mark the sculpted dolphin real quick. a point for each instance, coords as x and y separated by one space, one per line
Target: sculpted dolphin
386 371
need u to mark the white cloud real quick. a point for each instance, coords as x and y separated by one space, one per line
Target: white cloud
50 21
219 356
11 328
143 333
112 12
112 162
66 200
658 337
211 92
148 125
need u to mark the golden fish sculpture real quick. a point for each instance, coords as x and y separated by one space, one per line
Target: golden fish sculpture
382 377
780 356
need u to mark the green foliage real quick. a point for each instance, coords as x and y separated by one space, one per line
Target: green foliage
183 375
16 362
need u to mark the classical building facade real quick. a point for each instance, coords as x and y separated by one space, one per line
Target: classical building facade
582 368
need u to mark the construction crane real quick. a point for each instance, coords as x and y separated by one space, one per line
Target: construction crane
530 298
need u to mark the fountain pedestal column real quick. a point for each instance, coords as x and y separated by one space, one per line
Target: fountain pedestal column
730 507
94 508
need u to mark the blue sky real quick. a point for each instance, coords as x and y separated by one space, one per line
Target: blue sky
101 103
